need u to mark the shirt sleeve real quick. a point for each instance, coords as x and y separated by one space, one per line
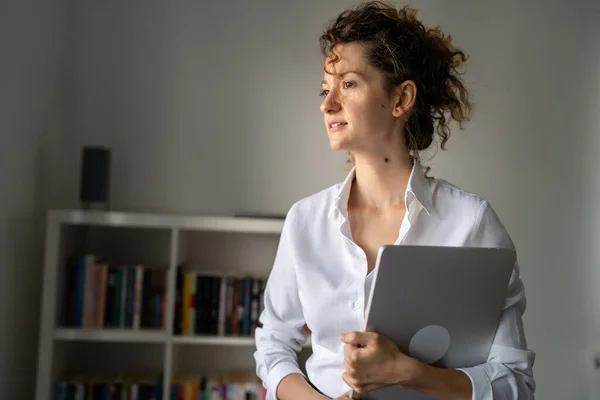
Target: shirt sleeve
280 334
508 372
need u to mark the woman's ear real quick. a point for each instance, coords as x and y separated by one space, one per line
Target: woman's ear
406 95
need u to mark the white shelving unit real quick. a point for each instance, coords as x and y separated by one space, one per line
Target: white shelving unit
109 335
227 245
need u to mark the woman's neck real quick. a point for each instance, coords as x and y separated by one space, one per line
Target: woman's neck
380 182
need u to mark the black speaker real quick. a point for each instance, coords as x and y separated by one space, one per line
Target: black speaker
95 177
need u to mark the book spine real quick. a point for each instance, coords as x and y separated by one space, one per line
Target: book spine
201 312
130 297
177 320
234 306
158 304
123 306
148 304
101 295
228 306
68 310
79 289
222 305
88 292
137 299
116 318
186 304
199 316
247 305
111 282
241 311
193 302
254 305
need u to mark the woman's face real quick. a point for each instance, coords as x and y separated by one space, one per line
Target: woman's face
359 113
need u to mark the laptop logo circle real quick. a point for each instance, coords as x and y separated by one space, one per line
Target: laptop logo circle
429 344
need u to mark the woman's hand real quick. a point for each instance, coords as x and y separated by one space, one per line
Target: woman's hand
373 361
345 396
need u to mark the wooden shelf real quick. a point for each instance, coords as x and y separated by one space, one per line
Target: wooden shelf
110 335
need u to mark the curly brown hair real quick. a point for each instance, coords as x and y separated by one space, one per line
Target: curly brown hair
402 48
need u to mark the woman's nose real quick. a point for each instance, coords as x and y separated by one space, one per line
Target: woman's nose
330 103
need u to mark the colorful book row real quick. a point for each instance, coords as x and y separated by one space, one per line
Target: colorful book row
217 304
141 387
104 295
223 386
217 386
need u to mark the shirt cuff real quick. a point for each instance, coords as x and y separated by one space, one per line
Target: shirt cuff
280 371
482 387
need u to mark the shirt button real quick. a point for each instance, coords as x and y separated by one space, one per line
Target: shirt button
357 304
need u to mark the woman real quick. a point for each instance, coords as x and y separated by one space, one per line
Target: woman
389 86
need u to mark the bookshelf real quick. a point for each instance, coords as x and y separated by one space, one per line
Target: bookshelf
170 246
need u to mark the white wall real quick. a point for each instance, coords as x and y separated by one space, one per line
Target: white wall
214 103
213 107
31 67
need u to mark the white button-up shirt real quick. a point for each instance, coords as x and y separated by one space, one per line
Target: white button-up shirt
319 277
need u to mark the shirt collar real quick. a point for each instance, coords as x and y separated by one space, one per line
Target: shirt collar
418 187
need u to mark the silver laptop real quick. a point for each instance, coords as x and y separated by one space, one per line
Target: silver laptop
440 305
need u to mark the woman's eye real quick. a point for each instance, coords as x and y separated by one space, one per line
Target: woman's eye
323 93
347 85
